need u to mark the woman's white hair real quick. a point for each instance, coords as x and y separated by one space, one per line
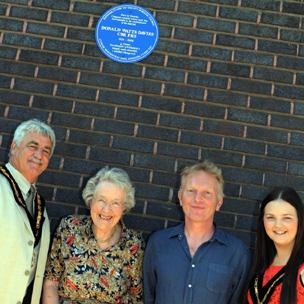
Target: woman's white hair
118 177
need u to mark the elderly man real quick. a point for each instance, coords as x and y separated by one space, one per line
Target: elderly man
196 262
24 226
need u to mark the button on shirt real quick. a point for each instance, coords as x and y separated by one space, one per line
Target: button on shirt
214 275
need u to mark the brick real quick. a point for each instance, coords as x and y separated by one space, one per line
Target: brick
232 2
265 163
29 13
270 104
38 57
231 189
246 222
247 116
240 206
122 69
89 138
136 144
63 46
277 47
74 121
110 156
81 34
154 162
243 145
165 179
12 25
17 68
268 135
205 109
290 62
186 63
145 86
280 19
258 30
155 58
215 25
93 50
224 219
69 196
99 80
51 103
81 166
175 47
295 168
242 175
293 8
274 75
45 29
207 80
93 8
137 116
98 110
7 52
285 152
235 41
254 192
230 69
113 126
226 97
56 212
211 52
66 149
70 19
251 86
177 150
193 35
178 121
165 31
253 58
200 139
16 1
53 4
298 108
165 74
166 210
157 4
138 175
292 35
57 74
300 78
117 97
287 122
150 191
184 91
59 178
21 113
22 40
197 8
33 85
80 63
223 128
289 91
274 180
11 97
174 19
157 133
261 4
75 91
162 103
238 14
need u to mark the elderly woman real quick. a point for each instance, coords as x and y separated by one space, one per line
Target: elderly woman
96 259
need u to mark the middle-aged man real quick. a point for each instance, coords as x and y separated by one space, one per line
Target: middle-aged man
24 226
196 262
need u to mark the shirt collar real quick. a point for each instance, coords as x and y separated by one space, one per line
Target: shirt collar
218 236
22 182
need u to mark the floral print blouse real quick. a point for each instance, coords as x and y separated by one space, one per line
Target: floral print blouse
88 274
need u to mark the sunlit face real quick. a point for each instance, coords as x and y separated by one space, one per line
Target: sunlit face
32 156
281 222
107 205
199 197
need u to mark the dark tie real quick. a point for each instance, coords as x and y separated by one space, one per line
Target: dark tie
30 198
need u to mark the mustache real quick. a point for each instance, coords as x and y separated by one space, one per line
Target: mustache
35 160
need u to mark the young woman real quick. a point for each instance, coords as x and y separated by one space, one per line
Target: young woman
278 272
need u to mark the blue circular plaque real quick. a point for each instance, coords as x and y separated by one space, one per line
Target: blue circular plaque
126 33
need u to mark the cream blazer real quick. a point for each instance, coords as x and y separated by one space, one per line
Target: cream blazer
16 249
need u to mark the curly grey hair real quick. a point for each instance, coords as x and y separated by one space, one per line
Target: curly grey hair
118 177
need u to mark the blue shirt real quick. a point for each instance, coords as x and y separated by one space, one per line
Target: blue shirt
214 275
